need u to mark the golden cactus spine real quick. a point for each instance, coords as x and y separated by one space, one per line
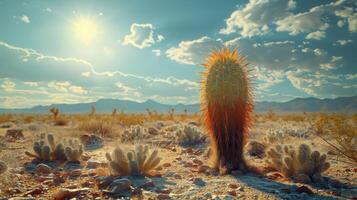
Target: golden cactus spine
226 103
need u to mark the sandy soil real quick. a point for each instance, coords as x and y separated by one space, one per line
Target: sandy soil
176 178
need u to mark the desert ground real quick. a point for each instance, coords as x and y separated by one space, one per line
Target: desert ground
183 148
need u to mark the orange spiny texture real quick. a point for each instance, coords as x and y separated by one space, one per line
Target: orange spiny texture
226 103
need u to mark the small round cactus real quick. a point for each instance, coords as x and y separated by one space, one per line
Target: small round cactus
226 102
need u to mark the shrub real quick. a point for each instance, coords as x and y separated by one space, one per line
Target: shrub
99 127
137 162
189 135
302 165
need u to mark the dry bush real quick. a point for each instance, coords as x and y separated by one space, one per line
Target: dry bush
95 126
340 132
61 121
6 118
293 117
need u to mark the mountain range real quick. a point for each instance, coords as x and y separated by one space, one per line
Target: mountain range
340 104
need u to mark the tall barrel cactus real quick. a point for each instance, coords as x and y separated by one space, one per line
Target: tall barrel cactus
226 102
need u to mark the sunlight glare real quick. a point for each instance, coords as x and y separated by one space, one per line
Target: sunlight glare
85 29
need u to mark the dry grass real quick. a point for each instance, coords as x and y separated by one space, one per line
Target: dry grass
99 127
340 132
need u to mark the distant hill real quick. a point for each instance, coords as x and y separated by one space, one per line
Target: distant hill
340 104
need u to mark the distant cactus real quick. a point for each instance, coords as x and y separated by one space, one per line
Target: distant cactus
114 112
226 102
137 162
301 165
73 151
55 113
93 110
3 167
189 135
49 150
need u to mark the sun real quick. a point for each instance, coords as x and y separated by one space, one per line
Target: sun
85 30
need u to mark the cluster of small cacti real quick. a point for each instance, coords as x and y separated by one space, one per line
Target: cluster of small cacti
73 150
134 133
137 162
189 135
226 104
274 136
280 135
47 149
3 167
302 165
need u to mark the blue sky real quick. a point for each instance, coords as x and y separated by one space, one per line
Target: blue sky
81 51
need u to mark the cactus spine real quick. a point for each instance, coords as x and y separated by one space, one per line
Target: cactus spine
226 102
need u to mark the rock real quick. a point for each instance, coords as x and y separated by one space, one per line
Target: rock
241 189
14 134
302 178
178 158
6 125
208 195
34 192
65 193
232 193
91 163
43 169
228 197
153 131
166 165
159 168
256 149
197 161
120 185
274 175
199 182
202 168
163 196
163 191
75 173
193 123
304 189
233 186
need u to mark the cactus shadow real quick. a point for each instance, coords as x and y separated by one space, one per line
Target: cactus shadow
277 189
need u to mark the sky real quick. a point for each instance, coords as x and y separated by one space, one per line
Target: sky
82 51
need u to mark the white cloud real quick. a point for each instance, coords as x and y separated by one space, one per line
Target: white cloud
160 38
310 21
351 76
350 16
157 52
335 61
193 52
66 86
31 84
48 9
141 36
342 42
25 19
317 35
256 16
